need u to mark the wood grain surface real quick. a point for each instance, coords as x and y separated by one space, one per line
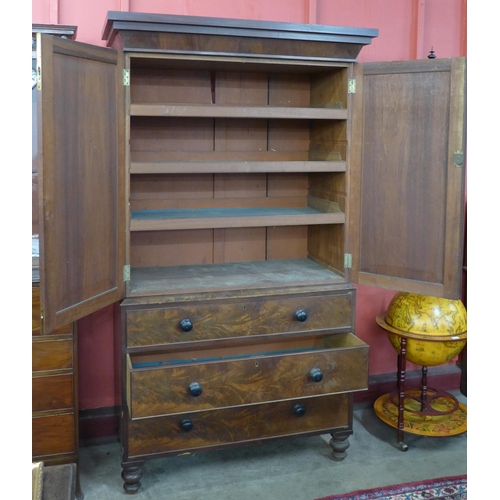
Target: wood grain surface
215 320
165 390
53 434
237 425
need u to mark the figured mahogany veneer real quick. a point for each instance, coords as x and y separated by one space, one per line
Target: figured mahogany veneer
243 318
237 425
216 369
167 389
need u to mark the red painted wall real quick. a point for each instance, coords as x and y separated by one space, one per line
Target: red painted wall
407 30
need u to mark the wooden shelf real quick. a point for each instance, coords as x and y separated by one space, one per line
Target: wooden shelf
200 167
318 212
233 275
217 111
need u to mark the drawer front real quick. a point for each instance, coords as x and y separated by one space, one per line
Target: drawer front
237 425
54 434
255 379
52 393
52 355
205 321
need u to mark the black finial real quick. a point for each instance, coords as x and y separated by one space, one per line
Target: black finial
431 54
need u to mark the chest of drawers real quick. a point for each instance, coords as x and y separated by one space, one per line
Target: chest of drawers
210 370
54 392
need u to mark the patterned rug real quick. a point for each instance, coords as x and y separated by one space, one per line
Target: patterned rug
445 488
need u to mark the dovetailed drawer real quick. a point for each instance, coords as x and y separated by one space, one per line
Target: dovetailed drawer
224 320
175 433
179 383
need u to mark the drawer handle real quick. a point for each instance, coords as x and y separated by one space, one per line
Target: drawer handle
300 315
186 325
316 375
195 389
299 410
187 425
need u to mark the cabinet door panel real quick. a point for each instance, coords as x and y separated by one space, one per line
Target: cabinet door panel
81 175
407 180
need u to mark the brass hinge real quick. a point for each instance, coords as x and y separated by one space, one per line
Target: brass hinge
348 260
126 77
458 159
126 273
351 86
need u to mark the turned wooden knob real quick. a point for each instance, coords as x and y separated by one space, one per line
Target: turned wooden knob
187 425
186 325
316 375
195 389
299 410
300 315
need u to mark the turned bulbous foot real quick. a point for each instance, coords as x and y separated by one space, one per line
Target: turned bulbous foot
339 447
131 476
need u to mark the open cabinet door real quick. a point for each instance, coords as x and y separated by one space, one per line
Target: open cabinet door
81 179
407 176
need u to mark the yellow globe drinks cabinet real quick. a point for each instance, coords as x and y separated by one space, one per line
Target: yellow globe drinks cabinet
427 331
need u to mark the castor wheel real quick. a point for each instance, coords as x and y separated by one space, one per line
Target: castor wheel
403 446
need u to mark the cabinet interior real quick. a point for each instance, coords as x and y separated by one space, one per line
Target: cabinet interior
235 165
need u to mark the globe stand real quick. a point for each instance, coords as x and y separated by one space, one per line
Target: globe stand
425 412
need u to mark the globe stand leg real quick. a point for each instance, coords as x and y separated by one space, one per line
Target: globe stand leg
423 405
401 393
425 397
